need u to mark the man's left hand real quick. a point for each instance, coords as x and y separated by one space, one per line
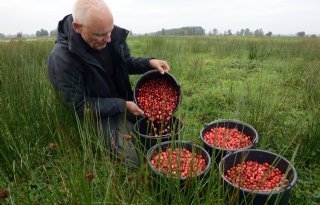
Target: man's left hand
161 65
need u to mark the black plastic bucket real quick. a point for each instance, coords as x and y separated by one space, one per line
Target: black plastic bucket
217 153
155 74
239 195
183 182
142 127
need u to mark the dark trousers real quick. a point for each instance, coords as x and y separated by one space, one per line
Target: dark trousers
119 138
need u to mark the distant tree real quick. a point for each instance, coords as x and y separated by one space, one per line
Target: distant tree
19 35
301 34
240 33
313 36
247 32
53 33
198 30
215 31
162 32
184 31
2 35
258 32
42 32
269 34
229 32
192 31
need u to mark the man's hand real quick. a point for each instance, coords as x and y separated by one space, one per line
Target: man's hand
133 108
161 65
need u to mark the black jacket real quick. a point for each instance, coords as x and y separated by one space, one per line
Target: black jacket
80 78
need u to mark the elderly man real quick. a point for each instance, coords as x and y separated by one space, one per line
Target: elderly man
90 65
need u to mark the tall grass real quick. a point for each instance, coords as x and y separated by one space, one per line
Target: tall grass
50 156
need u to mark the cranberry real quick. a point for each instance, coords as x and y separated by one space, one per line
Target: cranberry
157 98
178 162
256 176
227 138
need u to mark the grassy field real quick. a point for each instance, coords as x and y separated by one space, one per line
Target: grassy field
48 156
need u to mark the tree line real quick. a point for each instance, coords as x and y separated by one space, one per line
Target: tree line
199 31
183 31
256 33
40 33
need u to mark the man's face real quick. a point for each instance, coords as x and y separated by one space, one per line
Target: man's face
97 32
97 37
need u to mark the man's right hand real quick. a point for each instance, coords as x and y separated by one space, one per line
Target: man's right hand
133 108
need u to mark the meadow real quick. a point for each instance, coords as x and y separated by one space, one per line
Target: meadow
49 156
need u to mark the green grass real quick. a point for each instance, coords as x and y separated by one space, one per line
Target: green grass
271 83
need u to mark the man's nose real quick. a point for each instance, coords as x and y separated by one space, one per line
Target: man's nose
107 38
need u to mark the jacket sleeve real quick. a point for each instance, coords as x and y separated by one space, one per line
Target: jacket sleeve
135 65
70 81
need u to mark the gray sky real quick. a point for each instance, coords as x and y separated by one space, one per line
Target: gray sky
142 16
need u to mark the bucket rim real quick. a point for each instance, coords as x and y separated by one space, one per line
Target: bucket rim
179 143
254 142
261 192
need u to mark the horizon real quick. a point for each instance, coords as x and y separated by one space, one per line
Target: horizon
281 17
153 32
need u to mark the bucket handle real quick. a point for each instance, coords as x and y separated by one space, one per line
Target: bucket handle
256 140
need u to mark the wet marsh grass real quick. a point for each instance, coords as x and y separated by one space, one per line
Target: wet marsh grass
270 83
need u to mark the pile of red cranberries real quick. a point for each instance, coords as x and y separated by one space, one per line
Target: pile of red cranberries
158 98
227 138
178 162
256 176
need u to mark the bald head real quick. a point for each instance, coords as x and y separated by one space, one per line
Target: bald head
93 20
87 11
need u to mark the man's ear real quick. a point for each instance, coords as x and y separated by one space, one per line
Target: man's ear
77 27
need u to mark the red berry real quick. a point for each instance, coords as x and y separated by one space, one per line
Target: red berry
256 176
178 162
158 98
227 138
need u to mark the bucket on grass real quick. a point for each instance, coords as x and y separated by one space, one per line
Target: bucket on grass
237 194
218 152
183 157
146 134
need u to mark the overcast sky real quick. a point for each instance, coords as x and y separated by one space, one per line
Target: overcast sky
142 16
